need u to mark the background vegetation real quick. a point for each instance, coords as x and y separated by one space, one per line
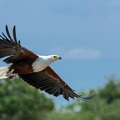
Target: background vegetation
19 101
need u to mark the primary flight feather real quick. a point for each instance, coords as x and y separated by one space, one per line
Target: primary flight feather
32 68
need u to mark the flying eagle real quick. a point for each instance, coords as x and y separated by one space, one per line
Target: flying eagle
32 68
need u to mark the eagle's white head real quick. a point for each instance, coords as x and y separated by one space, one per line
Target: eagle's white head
44 61
53 57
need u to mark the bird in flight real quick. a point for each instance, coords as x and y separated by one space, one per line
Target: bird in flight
32 68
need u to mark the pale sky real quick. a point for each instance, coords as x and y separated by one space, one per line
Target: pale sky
85 33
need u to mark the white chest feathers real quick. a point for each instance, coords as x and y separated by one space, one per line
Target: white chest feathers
41 63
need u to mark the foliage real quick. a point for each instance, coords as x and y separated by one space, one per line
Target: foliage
19 101
106 106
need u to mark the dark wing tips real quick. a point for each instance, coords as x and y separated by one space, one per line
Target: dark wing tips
14 34
4 36
87 98
8 37
8 33
71 94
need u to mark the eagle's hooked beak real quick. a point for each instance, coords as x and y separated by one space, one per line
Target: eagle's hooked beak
60 58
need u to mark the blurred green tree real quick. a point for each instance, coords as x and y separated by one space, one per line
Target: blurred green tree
110 92
105 106
19 101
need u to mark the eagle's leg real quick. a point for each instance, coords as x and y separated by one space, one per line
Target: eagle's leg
10 74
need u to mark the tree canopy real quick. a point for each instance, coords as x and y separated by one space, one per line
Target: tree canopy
19 101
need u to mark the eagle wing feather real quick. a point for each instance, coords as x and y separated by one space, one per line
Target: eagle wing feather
11 47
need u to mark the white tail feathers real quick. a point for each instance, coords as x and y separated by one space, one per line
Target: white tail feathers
3 72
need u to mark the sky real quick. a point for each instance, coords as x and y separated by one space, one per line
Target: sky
85 33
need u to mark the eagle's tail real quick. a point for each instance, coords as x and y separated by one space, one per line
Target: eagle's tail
3 72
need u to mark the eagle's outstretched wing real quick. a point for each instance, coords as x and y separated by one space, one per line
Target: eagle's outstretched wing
48 81
10 46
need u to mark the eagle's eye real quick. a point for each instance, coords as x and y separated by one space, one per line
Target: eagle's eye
55 57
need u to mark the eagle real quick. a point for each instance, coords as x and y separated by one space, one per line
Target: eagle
32 68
